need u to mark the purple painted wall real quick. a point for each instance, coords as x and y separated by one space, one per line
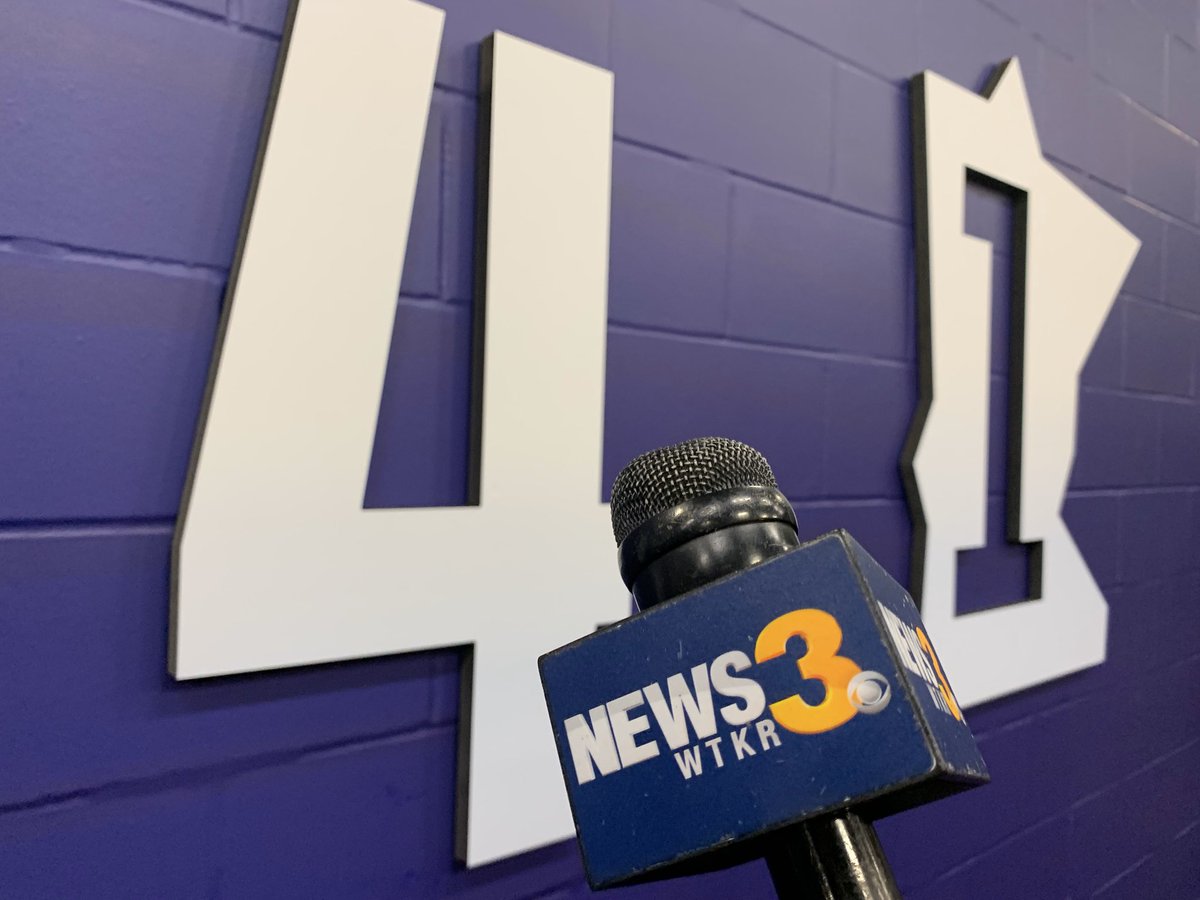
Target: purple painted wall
761 235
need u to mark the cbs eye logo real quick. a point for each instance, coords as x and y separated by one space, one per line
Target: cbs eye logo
869 692
848 689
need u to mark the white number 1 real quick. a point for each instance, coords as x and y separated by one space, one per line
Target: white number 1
1076 258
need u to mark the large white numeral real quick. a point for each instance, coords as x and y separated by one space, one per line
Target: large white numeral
277 564
1076 258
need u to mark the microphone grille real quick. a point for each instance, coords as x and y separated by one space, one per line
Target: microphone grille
662 478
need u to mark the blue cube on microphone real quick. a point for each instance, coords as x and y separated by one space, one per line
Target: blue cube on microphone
802 685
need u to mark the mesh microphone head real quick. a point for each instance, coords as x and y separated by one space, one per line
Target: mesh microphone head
663 478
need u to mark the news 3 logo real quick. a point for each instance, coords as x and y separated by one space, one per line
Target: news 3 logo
617 734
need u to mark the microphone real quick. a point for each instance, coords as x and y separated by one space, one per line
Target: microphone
770 698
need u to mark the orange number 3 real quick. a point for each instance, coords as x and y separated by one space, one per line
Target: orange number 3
944 686
823 636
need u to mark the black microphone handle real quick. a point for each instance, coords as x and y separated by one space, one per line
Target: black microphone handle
833 857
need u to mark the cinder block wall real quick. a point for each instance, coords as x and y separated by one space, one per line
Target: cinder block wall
761 287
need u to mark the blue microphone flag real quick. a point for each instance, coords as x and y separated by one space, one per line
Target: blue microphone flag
801 685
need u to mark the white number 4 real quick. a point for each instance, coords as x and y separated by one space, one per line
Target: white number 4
277 563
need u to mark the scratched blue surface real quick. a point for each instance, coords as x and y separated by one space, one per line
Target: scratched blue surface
806 773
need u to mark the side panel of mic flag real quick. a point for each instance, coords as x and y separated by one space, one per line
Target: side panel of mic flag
782 692
942 717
